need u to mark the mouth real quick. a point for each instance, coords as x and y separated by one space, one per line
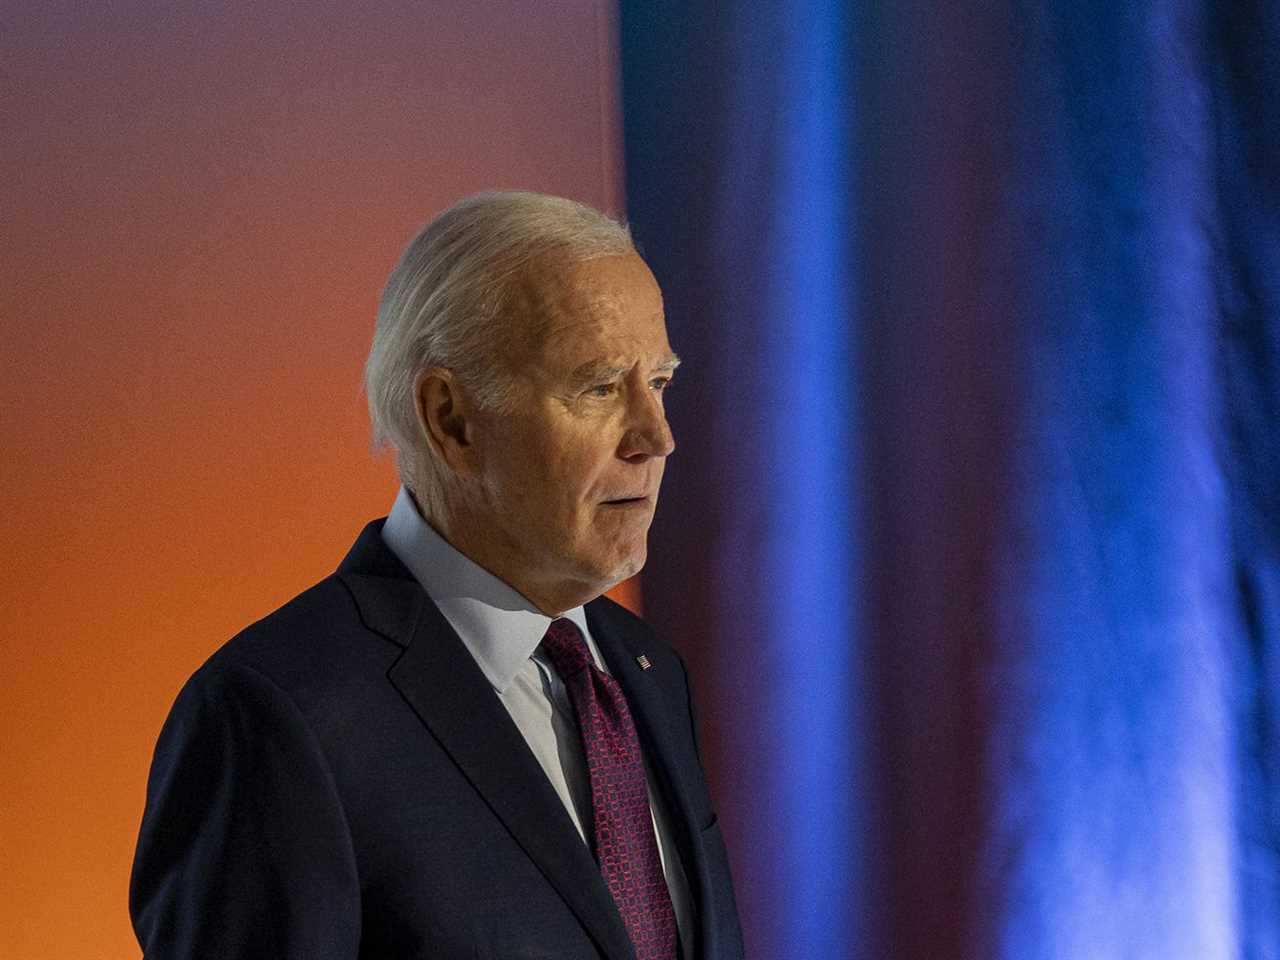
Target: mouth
624 502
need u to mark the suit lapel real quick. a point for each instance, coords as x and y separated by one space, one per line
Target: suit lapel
438 678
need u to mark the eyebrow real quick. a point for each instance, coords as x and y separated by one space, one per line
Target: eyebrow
595 371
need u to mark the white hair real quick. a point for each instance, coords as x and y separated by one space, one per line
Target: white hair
448 304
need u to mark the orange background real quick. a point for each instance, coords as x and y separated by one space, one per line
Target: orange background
201 203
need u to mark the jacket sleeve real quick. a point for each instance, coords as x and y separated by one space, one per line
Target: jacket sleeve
244 850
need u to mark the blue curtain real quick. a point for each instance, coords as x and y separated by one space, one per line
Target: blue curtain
972 535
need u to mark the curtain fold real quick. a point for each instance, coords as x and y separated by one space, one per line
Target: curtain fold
972 535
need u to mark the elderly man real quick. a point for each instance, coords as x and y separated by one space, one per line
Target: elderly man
454 747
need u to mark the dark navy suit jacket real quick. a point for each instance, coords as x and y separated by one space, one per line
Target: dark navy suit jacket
340 781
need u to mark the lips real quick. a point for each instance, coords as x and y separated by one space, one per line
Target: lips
627 501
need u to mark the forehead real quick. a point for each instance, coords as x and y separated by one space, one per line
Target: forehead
607 305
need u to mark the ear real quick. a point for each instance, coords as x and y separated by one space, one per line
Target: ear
444 417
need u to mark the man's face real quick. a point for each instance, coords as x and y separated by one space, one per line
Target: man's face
566 484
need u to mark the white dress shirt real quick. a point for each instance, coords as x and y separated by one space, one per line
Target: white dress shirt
503 631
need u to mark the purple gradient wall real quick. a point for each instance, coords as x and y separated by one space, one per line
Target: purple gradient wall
201 202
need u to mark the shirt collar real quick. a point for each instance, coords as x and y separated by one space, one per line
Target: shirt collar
498 625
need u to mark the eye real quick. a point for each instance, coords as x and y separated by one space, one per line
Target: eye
660 383
602 390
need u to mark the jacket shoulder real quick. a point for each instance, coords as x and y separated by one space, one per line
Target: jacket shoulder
314 639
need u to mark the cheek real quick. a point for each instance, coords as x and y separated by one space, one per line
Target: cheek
545 491
576 475
551 475
521 467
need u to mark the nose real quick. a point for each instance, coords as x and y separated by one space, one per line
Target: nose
648 434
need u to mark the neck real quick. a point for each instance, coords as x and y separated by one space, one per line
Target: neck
551 599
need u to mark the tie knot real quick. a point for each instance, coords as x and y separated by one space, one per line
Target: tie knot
566 648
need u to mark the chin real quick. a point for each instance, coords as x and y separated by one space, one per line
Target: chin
609 574
629 567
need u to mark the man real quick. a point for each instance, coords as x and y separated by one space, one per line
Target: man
454 746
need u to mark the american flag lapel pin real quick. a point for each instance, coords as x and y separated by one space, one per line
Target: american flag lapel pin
643 660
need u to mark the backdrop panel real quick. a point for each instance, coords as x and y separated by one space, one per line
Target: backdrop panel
973 528
201 202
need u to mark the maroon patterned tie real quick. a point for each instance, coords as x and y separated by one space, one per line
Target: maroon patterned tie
624 843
